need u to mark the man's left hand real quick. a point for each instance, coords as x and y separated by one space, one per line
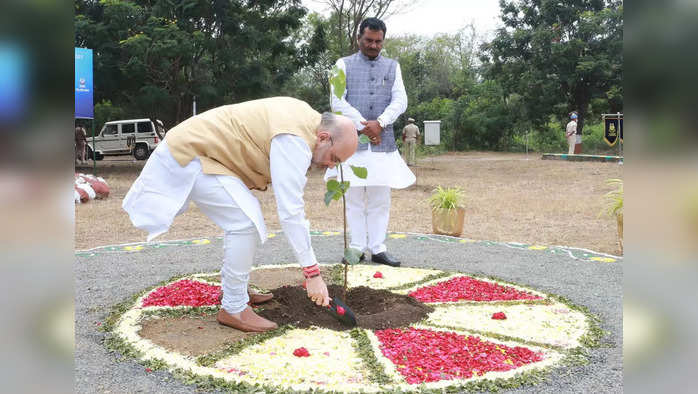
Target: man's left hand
373 130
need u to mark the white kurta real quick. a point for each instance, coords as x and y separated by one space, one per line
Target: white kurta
163 190
384 168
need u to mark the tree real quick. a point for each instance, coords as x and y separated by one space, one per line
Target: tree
152 57
348 14
559 56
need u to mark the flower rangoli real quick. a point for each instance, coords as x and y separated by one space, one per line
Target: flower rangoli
478 330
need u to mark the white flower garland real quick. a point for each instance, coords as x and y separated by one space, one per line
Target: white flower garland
554 324
332 365
362 275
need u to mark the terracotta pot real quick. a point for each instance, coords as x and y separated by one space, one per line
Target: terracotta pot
448 221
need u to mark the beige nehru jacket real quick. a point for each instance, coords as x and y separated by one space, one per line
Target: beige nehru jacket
236 139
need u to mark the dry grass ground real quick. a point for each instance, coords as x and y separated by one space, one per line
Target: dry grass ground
510 197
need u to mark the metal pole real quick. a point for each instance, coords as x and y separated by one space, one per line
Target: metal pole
620 142
193 105
94 152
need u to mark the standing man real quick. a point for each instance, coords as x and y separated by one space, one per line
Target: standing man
374 98
571 133
410 136
80 144
215 158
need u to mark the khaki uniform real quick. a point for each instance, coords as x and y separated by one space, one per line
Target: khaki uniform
571 132
411 133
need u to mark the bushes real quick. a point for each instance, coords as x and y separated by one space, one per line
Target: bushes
552 139
104 112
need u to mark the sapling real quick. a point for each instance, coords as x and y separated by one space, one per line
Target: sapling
337 189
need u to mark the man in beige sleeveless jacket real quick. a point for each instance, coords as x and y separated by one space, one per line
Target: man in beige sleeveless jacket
215 158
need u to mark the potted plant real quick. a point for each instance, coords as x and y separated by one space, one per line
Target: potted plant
613 206
447 210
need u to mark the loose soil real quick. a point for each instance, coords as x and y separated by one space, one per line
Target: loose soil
193 336
374 309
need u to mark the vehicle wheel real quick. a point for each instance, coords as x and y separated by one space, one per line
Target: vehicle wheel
98 156
140 152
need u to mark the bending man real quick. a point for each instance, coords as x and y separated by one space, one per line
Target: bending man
215 158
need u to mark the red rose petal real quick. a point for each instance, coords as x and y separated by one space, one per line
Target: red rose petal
428 356
340 311
301 352
499 316
466 288
184 292
378 274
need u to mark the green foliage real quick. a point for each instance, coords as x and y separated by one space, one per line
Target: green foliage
153 58
551 138
104 112
447 198
338 81
613 200
352 256
360 172
558 56
335 190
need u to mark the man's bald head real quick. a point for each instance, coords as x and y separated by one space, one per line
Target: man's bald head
337 140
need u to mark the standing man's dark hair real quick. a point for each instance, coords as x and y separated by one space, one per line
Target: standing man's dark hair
373 24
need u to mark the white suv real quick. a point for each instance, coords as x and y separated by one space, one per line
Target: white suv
124 137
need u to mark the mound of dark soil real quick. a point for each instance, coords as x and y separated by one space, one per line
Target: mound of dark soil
374 309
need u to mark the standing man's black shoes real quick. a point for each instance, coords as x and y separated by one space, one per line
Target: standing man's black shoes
385 258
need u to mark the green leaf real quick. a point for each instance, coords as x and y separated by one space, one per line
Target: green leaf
352 255
329 196
363 139
360 172
344 186
338 80
333 185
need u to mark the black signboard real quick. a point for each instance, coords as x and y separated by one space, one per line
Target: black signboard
613 128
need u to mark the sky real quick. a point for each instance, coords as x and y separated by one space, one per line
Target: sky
430 17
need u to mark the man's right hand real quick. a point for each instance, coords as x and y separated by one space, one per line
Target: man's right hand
317 291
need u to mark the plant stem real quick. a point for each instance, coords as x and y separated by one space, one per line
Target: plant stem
344 212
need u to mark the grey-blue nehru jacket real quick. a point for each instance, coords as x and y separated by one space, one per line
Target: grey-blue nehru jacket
369 90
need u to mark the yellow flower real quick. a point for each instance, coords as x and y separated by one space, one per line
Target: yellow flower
603 259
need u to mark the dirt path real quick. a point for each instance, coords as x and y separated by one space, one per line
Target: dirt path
511 197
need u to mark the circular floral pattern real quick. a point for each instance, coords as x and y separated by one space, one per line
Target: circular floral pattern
481 330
